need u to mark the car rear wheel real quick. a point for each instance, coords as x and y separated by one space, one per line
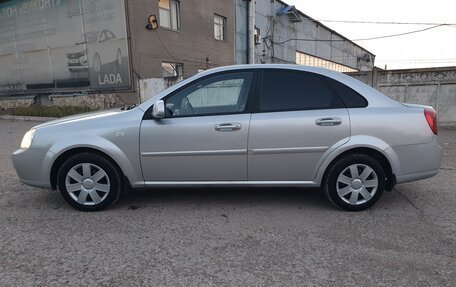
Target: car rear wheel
119 58
89 182
354 182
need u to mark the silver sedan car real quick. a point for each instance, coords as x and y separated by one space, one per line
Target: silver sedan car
250 125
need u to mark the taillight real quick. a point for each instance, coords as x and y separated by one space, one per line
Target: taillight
431 118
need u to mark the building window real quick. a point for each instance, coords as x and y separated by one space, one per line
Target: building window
219 27
308 60
171 70
169 14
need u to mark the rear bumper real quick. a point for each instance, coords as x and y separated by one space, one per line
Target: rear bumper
418 161
416 176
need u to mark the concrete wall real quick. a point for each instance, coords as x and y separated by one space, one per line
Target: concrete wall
435 87
16 102
275 28
94 101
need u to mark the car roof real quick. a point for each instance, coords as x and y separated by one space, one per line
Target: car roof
374 97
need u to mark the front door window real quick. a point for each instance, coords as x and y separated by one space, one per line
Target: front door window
222 94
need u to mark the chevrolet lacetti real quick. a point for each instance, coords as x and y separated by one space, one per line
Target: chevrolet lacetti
250 125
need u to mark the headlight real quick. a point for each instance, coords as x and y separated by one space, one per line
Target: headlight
27 139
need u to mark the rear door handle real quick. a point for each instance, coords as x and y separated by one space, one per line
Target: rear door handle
227 127
328 121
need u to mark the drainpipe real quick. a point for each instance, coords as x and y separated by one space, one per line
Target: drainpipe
250 21
247 19
252 32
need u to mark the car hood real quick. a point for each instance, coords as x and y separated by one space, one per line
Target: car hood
80 117
75 55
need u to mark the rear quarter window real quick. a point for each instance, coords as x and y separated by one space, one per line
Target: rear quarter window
351 98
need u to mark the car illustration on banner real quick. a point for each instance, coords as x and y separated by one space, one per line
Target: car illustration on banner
77 62
99 49
72 46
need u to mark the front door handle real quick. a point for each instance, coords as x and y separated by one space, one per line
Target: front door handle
328 121
226 127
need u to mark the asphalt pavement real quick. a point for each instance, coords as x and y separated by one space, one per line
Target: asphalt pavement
223 237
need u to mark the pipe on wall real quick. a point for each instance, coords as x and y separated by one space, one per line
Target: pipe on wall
252 32
247 28
250 21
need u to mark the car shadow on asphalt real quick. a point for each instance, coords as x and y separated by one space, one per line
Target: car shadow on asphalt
301 197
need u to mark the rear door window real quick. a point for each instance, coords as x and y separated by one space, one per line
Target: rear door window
284 90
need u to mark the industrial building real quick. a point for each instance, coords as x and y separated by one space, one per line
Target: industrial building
106 53
283 34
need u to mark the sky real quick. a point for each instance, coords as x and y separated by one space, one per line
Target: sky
433 48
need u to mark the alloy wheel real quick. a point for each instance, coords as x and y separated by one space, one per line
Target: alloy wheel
357 184
87 184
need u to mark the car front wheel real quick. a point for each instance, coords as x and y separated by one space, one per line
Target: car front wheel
96 63
89 182
354 182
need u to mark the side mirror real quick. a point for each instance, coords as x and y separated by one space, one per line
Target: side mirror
158 110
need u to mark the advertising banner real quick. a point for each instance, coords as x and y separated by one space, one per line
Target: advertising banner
63 45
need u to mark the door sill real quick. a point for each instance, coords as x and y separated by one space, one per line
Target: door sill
223 183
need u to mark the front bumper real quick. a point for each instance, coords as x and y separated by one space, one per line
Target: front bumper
77 68
31 167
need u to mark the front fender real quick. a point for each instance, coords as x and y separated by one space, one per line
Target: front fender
97 143
359 141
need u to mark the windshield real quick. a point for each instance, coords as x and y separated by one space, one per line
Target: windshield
90 37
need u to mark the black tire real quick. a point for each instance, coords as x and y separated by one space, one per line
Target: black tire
331 184
96 162
96 63
119 58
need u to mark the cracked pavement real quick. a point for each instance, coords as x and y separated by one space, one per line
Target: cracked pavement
223 237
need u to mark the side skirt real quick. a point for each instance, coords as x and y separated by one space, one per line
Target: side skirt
223 184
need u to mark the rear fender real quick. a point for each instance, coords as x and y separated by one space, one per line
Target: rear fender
360 141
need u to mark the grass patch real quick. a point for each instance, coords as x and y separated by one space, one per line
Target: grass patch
56 112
